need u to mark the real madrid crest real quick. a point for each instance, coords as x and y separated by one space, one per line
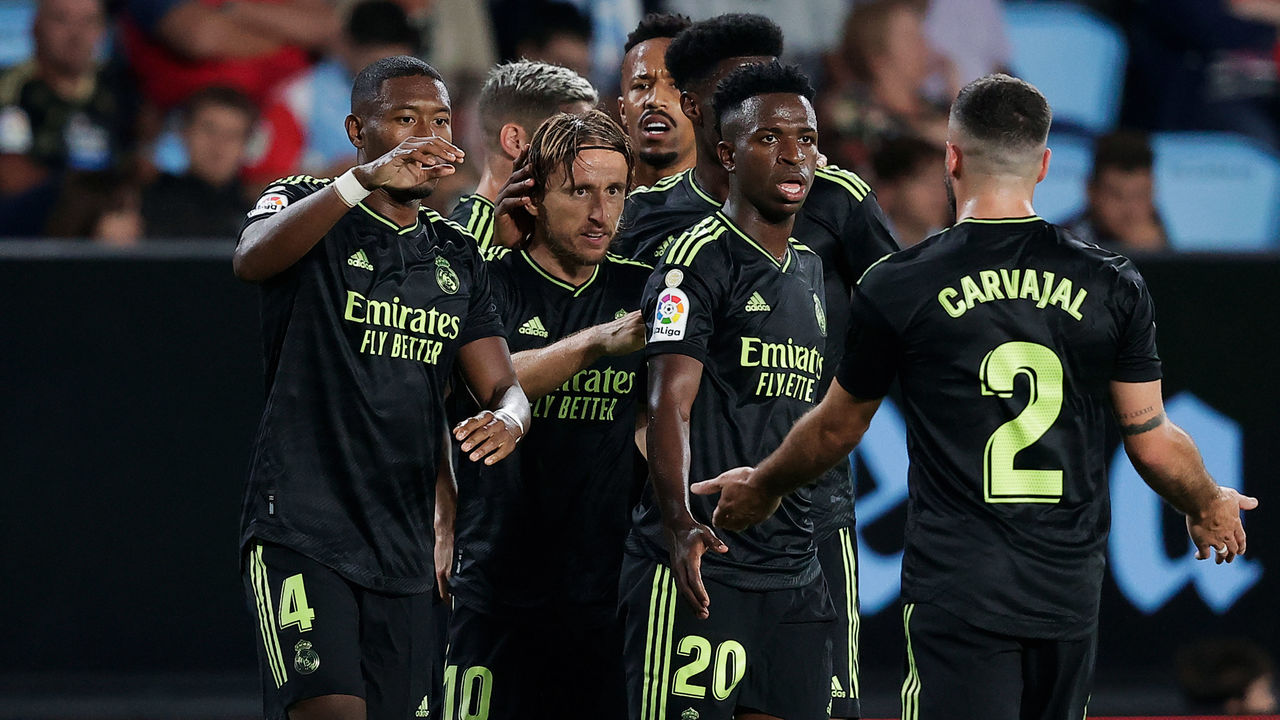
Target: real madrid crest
305 660
446 278
821 315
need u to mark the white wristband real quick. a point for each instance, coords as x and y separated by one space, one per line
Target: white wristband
500 413
349 189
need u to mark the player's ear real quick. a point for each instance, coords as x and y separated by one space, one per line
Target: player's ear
690 107
355 131
724 153
622 111
953 160
1044 164
513 139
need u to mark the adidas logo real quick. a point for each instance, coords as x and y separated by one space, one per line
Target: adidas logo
836 690
360 260
757 304
534 326
423 710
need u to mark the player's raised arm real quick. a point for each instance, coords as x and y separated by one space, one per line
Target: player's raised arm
1168 460
825 434
673 384
275 243
544 369
493 433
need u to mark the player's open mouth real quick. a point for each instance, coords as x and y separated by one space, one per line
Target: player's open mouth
792 190
596 238
655 124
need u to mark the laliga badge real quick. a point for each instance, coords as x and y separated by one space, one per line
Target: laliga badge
671 315
674 277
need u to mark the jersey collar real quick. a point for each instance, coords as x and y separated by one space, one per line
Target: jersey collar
595 271
1002 221
417 222
697 190
780 264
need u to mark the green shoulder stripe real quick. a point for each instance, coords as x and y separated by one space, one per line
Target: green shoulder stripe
872 265
618 259
846 180
676 250
801 246
435 217
497 252
299 180
663 184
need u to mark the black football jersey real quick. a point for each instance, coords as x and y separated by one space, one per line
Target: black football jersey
840 220
570 484
474 212
758 325
1004 336
360 337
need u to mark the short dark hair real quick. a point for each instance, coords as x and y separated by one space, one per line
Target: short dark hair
694 53
1124 150
562 136
749 81
528 92
901 157
656 25
1007 117
368 84
217 96
381 22
557 18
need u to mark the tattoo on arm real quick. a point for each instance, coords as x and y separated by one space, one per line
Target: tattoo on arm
1129 429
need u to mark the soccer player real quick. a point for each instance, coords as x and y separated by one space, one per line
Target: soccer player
737 327
1010 338
368 300
840 220
528 638
514 101
650 103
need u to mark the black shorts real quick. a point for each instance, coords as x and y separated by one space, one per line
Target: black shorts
954 669
531 664
767 652
318 634
838 555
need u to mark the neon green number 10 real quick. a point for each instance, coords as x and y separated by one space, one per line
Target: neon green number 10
1001 481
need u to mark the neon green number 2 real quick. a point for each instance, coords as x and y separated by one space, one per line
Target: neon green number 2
1001 481
730 666
294 609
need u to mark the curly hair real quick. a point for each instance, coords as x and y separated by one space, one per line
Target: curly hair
694 54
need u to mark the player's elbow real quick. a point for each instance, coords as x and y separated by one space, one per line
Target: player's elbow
1155 454
245 267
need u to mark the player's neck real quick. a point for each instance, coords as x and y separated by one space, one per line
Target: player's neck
403 214
994 200
711 176
771 235
496 172
560 268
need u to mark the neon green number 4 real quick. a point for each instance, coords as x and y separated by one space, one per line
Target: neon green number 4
294 609
1001 481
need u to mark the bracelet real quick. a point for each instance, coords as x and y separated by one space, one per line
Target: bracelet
500 413
350 191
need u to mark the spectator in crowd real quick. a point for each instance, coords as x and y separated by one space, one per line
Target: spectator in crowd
1227 675
102 206
1121 214
910 187
303 128
560 34
179 46
57 112
208 200
877 82
983 48
456 37
650 102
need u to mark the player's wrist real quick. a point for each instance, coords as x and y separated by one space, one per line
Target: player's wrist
509 419
351 188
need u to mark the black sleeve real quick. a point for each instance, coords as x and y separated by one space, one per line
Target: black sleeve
873 351
865 238
482 313
679 306
1136 356
280 194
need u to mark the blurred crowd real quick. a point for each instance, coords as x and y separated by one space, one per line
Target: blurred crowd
159 119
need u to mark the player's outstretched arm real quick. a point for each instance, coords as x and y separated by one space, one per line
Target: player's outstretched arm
493 433
1167 459
272 245
820 439
547 368
446 513
673 384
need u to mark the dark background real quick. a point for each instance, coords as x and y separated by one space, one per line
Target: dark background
131 385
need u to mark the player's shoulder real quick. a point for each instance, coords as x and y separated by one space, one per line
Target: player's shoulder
656 193
835 187
278 193
701 245
624 265
1098 260
445 226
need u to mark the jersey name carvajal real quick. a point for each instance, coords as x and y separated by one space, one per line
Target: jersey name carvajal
1005 336
840 221
571 482
758 325
360 337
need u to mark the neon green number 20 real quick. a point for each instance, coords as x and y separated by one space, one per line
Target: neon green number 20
1001 481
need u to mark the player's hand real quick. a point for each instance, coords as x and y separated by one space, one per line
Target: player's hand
513 222
411 163
487 436
742 504
622 336
688 541
444 560
1218 529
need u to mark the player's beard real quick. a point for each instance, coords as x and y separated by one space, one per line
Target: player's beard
658 159
564 251
951 200
417 192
